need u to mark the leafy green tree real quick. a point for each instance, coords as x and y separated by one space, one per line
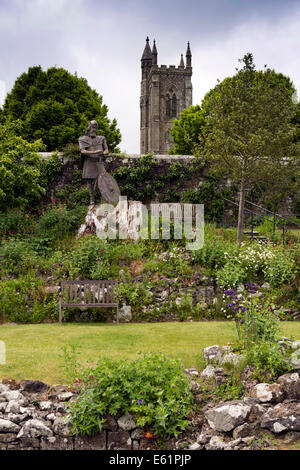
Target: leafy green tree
56 106
186 131
249 134
19 168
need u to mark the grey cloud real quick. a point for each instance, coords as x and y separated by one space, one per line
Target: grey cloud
103 42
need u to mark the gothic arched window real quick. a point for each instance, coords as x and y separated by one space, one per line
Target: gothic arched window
168 105
174 106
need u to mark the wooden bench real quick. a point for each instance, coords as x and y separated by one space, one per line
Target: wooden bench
88 294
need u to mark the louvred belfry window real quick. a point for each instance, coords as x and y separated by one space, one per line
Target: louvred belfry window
174 106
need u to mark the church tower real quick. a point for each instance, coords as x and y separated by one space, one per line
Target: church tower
165 92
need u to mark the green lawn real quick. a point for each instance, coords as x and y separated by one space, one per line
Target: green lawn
36 351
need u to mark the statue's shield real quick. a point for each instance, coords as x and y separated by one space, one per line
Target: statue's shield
108 188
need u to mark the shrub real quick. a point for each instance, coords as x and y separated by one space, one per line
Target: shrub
257 323
258 334
253 259
100 271
231 390
20 168
45 307
83 258
257 263
217 245
171 262
92 256
50 168
281 269
267 357
23 300
14 222
12 254
212 196
231 275
185 308
80 196
133 293
153 388
58 223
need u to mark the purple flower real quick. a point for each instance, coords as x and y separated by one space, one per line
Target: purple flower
140 401
229 292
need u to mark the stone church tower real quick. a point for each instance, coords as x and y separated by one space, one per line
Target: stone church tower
165 92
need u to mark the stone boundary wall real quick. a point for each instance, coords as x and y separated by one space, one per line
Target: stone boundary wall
114 161
156 185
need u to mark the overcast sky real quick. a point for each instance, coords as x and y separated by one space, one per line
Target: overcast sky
103 41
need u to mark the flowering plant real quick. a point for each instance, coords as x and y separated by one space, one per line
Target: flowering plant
258 335
258 262
152 388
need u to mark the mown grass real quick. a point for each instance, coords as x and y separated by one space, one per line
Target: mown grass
36 351
294 446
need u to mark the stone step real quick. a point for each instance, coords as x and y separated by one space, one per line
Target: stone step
259 238
250 233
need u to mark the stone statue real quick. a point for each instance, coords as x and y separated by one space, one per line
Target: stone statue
92 148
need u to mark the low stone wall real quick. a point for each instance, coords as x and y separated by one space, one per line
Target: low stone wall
268 411
34 416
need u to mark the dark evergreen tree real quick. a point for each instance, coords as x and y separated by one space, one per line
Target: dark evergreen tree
56 106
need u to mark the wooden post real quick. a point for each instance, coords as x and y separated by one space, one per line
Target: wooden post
60 307
117 295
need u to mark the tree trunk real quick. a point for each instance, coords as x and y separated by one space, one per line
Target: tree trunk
241 212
